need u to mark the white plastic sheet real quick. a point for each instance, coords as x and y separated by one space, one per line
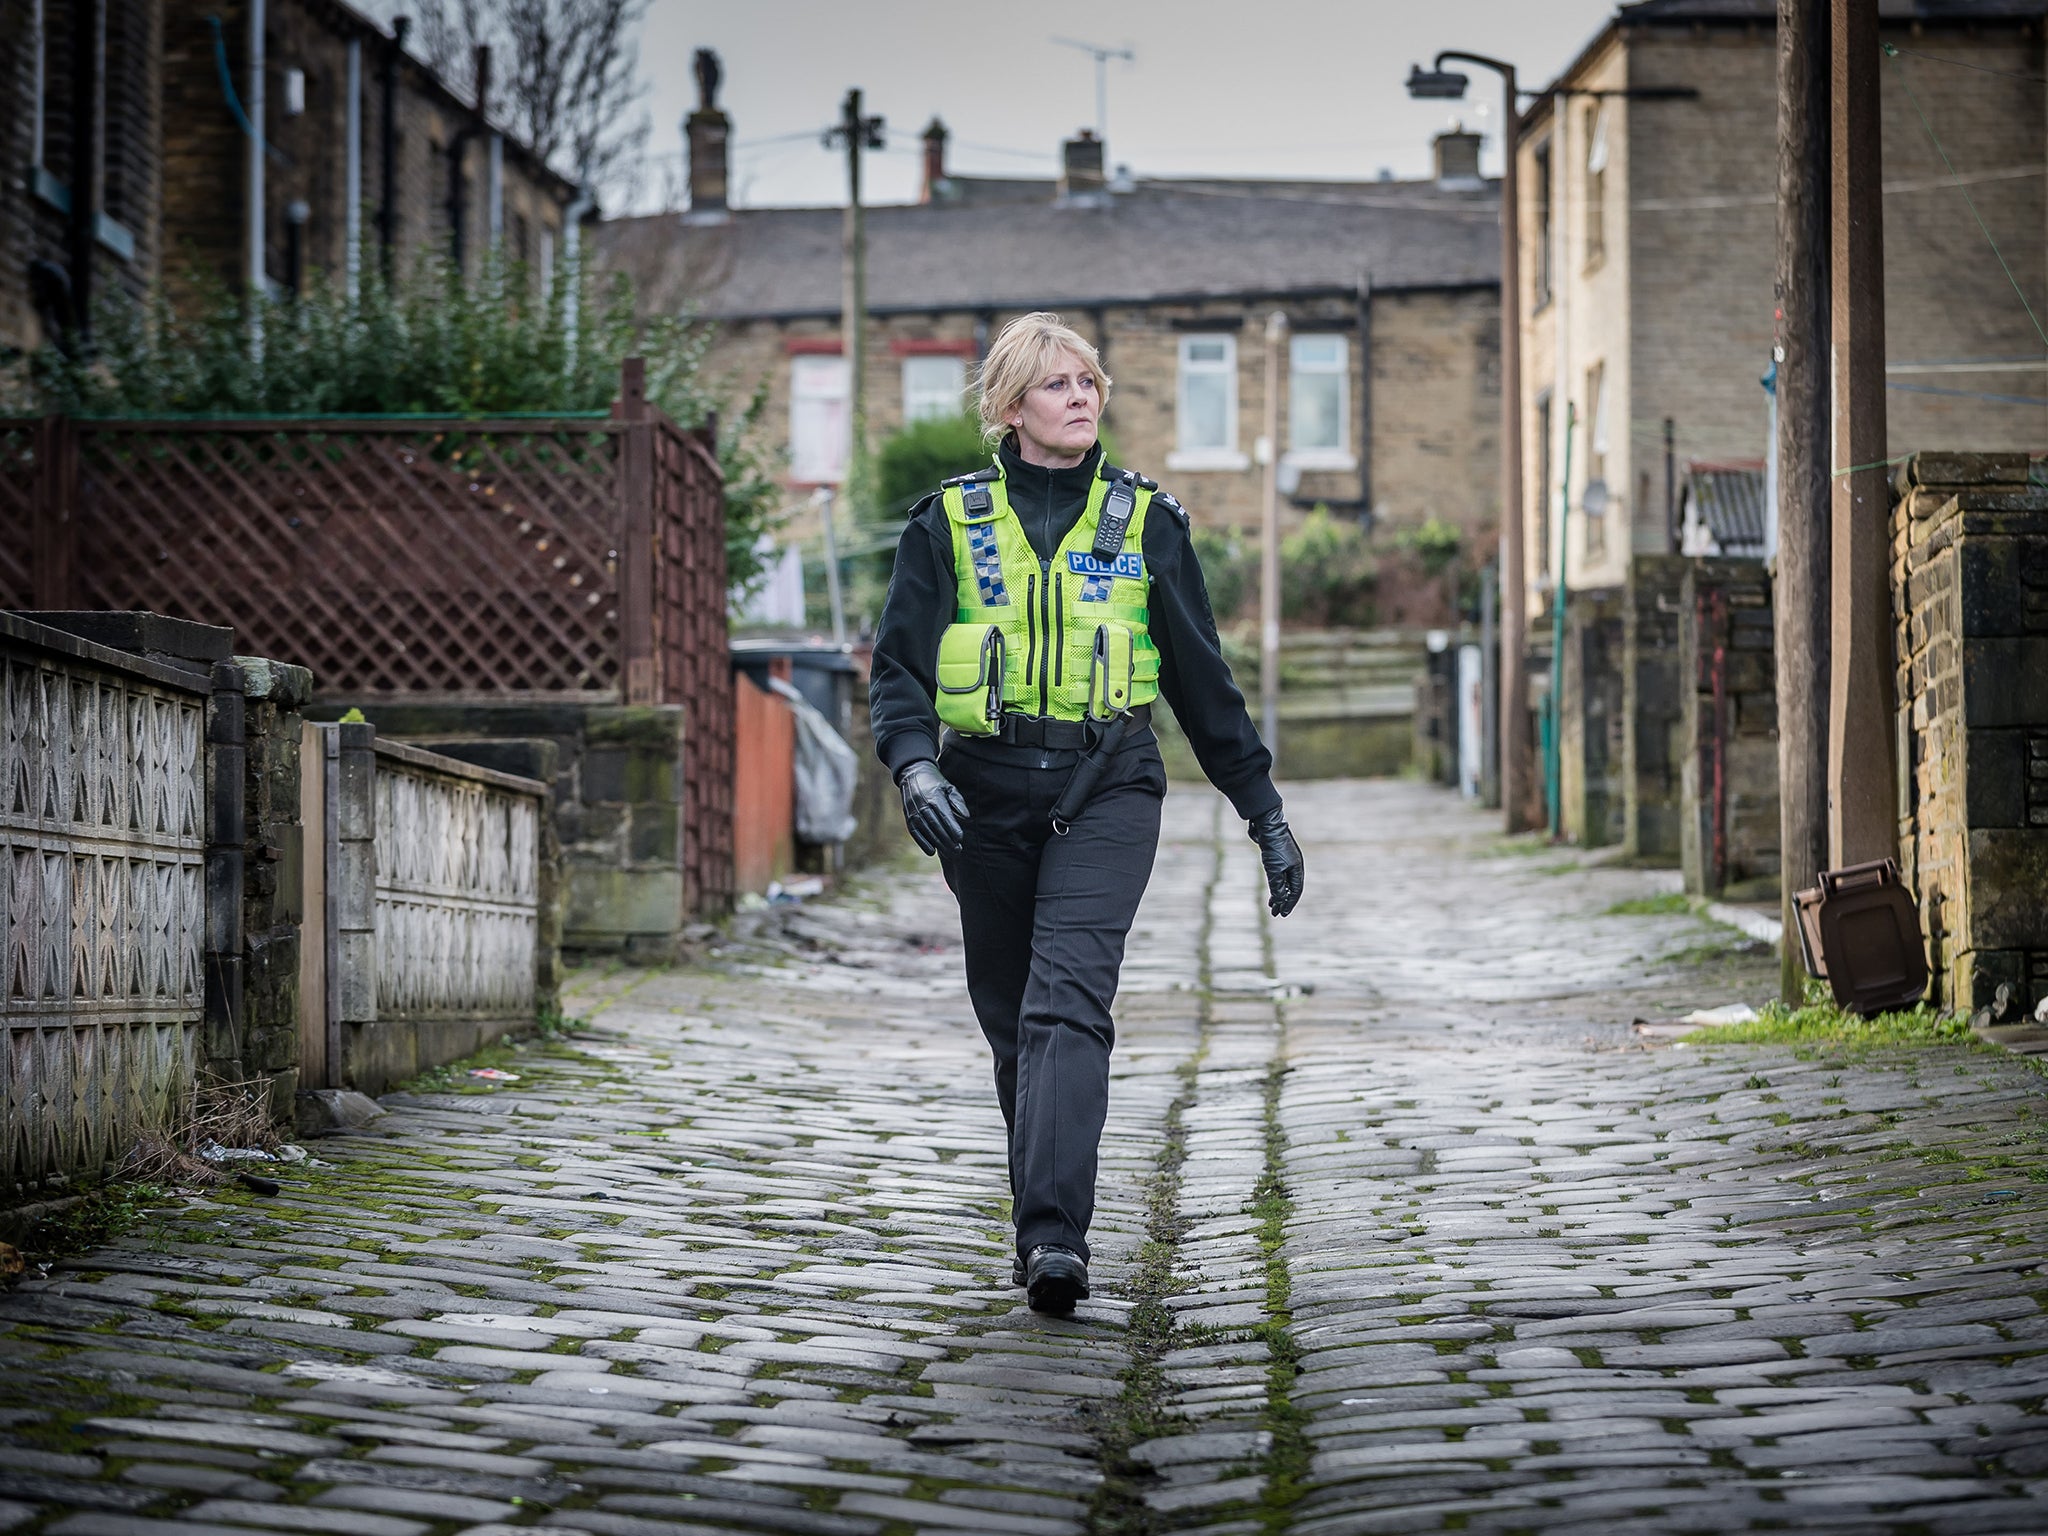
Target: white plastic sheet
826 770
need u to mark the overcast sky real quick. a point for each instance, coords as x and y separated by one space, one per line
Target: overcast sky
1232 87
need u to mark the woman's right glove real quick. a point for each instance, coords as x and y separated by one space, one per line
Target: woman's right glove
932 808
1281 855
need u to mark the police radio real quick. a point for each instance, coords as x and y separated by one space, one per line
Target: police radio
1118 507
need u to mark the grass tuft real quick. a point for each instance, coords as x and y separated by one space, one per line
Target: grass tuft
1668 904
1823 1021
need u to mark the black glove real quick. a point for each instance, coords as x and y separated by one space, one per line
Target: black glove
1281 855
932 807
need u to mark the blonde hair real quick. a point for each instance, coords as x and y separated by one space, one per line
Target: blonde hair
1019 359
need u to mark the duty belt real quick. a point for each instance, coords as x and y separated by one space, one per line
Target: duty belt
1059 735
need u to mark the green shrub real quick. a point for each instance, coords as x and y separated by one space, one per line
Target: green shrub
1327 572
1434 542
912 462
1230 566
432 342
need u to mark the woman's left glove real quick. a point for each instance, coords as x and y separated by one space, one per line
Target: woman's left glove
1281 855
932 808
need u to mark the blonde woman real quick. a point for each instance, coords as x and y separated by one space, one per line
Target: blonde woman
1038 607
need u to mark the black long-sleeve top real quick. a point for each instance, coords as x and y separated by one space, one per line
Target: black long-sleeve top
1193 676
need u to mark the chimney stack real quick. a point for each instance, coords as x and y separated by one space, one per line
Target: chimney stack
483 79
936 186
707 130
1081 167
1457 159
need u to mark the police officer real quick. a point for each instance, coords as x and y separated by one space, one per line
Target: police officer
1037 608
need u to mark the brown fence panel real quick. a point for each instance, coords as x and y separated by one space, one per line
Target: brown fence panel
691 649
572 558
444 557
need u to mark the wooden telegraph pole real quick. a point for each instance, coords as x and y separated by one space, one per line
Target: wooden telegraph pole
1862 804
856 133
1800 597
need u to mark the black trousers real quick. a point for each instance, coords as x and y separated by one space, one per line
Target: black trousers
1044 918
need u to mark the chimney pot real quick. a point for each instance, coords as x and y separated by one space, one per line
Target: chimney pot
483 79
936 185
1457 159
1081 166
707 130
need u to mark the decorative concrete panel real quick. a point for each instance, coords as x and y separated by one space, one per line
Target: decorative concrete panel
102 855
457 895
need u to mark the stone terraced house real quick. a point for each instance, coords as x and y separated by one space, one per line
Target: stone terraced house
164 155
1391 382
1647 302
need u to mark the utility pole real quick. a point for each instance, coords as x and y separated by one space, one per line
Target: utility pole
1862 806
1800 588
1269 545
855 133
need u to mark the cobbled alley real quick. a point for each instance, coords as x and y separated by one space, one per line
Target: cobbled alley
1402 1229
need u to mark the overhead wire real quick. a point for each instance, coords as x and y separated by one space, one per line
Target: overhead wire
1891 51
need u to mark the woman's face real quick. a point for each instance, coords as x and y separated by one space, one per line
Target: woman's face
1058 414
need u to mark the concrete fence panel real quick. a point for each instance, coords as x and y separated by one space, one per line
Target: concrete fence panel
436 889
104 837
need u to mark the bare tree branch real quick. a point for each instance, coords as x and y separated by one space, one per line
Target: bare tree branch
565 75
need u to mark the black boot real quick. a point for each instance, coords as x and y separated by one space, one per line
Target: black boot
1017 1271
1054 1279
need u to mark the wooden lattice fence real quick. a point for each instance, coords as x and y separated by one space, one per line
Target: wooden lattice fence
567 558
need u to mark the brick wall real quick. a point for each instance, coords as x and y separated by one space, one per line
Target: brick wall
1729 824
1653 705
204 150
130 169
1970 604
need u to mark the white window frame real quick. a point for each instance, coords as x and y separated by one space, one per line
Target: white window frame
923 404
1339 457
1226 456
805 467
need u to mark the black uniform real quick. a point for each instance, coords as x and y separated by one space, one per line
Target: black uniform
1044 917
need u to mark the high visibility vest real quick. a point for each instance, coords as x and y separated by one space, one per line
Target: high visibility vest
1064 637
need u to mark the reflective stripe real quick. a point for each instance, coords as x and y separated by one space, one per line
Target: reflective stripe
988 564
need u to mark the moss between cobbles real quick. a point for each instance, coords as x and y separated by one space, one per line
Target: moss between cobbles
1141 1412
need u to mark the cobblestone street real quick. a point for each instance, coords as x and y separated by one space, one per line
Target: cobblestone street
1401 1229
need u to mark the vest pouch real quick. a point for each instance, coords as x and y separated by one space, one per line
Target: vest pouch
1110 672
970 678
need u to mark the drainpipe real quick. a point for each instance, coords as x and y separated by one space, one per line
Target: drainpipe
494 192
258 118
387 213
458 153
572 260
88 44
352 172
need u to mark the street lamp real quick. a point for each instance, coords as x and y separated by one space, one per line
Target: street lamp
1512 744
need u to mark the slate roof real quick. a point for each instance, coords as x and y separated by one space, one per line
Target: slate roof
1723 509
1163 240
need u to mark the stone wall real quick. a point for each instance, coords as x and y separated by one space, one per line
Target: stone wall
1592 726
617 781
1653 703
1426 376
1970 602
1730 822
273 874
